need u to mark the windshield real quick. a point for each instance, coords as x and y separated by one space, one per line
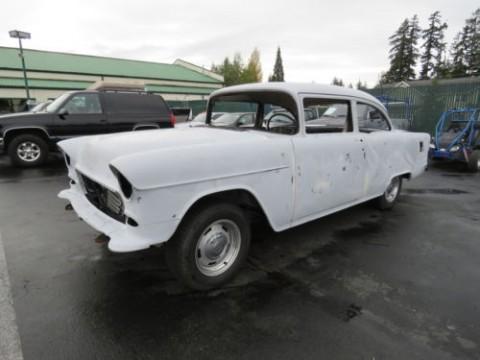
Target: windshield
270 111
55 105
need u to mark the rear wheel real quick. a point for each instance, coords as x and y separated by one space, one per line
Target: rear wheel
210 246
474 161
390 196
28 150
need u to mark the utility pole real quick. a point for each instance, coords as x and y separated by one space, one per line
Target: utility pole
16 34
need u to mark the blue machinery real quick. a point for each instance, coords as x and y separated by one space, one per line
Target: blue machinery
460 138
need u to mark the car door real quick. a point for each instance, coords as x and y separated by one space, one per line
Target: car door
81 114
329 159
379 144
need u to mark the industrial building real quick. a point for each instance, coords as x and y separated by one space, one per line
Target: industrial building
53 73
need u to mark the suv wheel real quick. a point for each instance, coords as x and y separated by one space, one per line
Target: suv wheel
390 196
210 246
28 150
474 161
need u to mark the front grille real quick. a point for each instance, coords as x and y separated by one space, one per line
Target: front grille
103 199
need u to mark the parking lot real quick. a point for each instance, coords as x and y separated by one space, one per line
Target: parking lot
359 284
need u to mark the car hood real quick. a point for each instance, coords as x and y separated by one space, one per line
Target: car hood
22 115
156 158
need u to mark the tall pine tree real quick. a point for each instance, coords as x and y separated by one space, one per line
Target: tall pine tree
337 81
433 46
403 52
466 48
278 73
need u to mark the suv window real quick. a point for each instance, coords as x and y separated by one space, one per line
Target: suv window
327 115
132 103
371 119
83 104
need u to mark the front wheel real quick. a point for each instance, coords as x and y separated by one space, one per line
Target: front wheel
28 150
210 246
474 161
390 196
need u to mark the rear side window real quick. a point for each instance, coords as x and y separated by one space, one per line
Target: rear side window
371 119
128 103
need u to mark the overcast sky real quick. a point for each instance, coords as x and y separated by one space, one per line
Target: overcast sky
319 39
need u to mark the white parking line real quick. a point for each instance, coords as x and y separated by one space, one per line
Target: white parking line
10 347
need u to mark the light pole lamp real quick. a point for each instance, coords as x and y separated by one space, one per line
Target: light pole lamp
16 34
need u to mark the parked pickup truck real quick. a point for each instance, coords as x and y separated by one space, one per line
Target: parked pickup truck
28 137
197 188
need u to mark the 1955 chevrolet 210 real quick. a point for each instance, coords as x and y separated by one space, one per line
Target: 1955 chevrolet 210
311 151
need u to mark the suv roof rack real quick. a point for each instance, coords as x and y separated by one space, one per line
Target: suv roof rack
104 86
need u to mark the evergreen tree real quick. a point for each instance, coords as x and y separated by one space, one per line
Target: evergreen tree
433 46
361 86
398 54
466 48
337 81
459 67
403 52
278 73
413 54
472 55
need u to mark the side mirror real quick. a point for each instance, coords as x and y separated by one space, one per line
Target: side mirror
62 113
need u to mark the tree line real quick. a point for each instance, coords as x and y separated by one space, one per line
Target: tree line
235 71
462 58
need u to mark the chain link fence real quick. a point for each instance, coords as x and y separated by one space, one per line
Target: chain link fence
423 101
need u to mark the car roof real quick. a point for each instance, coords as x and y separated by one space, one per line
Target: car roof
295 89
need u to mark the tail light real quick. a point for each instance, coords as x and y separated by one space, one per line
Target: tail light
173 120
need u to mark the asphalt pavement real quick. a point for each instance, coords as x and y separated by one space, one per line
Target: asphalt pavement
358 284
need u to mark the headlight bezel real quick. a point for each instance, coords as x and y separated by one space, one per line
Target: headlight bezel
126 186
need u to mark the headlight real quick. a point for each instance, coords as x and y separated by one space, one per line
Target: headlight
125 185
455 148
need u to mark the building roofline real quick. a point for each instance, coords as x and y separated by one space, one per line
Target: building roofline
199 69
86 55
215 78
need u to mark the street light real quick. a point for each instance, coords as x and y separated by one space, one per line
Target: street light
16 34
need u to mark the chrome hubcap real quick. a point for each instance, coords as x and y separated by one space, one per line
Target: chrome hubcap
392 190
218 247
28 151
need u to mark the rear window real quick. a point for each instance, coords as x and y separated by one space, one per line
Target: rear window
128 103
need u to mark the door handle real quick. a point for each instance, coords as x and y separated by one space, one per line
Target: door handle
103 120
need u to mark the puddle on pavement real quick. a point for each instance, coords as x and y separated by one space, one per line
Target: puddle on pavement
445 191
364 228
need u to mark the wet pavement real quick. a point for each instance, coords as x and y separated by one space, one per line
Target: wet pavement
359 284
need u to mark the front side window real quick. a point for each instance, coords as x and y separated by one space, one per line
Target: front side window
371 119
327 115
83 104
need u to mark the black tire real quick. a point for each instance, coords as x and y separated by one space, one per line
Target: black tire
386 202
474 161
183 256
38 144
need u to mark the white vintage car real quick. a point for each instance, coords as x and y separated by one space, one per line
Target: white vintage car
313 150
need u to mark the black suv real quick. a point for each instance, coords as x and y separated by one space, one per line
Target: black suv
28 137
